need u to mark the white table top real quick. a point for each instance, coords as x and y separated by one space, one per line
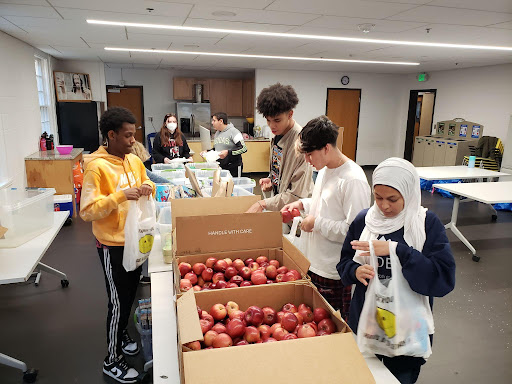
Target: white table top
156 258
165 340
17 264
489 193
456 172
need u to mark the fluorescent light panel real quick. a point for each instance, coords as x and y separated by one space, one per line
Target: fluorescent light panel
299 36
260 56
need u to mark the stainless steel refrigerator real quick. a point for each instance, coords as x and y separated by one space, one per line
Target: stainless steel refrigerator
191 116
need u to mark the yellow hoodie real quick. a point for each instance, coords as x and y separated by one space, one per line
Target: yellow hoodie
103 201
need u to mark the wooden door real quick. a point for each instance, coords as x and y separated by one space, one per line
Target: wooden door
419 100
132 99
218 96
343 110
234 95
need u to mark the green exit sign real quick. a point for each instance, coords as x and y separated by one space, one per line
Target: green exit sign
422 77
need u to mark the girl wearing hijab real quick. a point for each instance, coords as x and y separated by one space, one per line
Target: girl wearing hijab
170 143
422 249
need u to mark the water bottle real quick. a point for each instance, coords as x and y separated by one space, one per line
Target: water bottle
471 162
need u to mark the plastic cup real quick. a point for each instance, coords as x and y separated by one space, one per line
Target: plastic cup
471 162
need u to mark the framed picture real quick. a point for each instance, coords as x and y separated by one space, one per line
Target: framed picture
72 86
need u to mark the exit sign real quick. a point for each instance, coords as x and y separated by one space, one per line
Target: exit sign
422 77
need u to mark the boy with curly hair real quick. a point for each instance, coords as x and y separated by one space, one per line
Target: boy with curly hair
290 178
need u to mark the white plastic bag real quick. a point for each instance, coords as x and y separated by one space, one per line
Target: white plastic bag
299 241
395 320
139 231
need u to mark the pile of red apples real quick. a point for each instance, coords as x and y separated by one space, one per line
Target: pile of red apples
227 273
226 325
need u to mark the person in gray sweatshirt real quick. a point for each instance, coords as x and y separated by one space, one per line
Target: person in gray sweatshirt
228 141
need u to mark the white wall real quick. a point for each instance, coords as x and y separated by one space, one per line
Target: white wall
19 105
158 89
379 110
478 94
96 71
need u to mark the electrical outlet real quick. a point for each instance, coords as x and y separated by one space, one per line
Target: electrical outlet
150 118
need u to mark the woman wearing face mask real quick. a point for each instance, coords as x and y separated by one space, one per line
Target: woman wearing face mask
422 249
170 143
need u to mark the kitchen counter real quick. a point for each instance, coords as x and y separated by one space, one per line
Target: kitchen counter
54 155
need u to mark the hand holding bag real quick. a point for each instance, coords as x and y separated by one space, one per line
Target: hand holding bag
299 241
395 320
139 231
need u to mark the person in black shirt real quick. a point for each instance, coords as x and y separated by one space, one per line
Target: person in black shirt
169 143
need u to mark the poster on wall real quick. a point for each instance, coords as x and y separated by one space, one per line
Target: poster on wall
72 86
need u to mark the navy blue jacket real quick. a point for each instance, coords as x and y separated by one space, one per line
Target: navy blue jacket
430 272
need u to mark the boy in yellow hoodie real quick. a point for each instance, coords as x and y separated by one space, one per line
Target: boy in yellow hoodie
112 177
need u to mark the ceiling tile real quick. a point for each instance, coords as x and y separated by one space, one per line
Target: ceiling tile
250 15
80 14
244 26
28 10
443 15
416 2
353 8
119 65
42 3
127 6
507 25
252 4
488 5
351 23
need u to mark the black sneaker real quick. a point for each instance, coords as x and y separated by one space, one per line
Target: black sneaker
121 371
145 280
128 345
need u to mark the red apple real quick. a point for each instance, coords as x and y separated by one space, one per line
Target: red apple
271 272
218 277
207 285
262 259
205 325
270 316
210 262
198 268
194 345
274 327
280 315
300 319
270 340
264 331
184 268
206 316
231 306
290 336
279 278
264 265
232 285
254 316
185 284
327 325
228 261
322 333
209 337
196 288
237 314
241 342
286 216
248 261
282 270
306 330
258 278
315 327
289 307
295 273
254 266
222 284
192 277
235 328
219 328
213 286
207 274
270 281
218 312
275 263
222 340
260 268
200 281
288 277
236 279
220 266
319 314
289 321
279 333
238 264
199 311
245 284
306 313
252 335
230 272
245 272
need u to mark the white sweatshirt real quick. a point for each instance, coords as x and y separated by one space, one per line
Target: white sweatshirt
338 196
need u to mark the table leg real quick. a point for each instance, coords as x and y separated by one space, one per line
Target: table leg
64 279
453 226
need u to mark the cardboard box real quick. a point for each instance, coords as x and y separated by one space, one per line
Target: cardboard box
327 359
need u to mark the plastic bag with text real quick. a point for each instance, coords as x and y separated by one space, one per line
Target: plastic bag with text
296 236
395 320
139 231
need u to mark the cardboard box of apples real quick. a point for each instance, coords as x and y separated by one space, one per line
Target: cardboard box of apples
277 332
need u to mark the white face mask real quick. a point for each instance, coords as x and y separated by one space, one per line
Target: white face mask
172 127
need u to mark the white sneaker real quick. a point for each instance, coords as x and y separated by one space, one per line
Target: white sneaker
128 345
121 371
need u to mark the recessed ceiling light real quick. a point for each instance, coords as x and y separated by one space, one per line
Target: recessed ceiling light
301 36
366 27
224 13
296 58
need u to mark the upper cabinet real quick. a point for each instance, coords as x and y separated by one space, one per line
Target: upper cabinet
233 96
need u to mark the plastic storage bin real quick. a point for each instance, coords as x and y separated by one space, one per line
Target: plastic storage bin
237 191
207 173
162 167
26 213
171 174
242 182
146 337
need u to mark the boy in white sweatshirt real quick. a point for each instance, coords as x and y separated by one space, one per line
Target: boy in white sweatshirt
341 191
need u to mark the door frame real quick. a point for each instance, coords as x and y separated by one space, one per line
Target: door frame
143 125
358 111
411 118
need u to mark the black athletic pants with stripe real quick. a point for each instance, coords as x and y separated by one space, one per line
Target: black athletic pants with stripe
121 290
